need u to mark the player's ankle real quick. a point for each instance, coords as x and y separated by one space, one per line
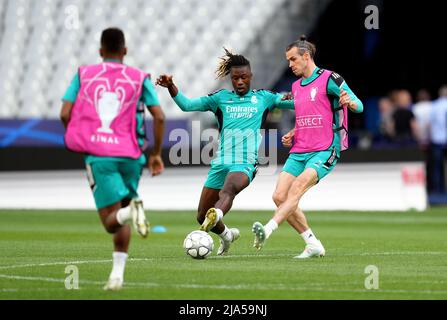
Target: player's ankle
270 227
119 264
219 214
226 235
309 237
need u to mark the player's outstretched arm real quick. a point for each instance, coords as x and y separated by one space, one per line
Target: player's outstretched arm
166 81
287 96
184 103
286 101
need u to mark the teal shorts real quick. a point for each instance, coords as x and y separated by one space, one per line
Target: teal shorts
322 161
218 173
113 181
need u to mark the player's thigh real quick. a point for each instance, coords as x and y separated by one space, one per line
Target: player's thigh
106 182
238 173
236 181
131 171
216 176
307 179
323 162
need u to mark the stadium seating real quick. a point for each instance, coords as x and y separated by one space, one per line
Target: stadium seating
42 42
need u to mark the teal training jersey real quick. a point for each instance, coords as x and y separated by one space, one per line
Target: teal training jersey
239 119
148 97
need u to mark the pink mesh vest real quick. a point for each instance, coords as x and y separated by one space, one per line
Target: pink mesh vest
314 130
103 118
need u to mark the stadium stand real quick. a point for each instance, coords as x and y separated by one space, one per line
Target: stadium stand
42 42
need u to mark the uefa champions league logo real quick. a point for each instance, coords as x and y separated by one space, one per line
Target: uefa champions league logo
108 106
313 93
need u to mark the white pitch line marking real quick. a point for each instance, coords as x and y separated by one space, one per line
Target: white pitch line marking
225 287
59 263
31 265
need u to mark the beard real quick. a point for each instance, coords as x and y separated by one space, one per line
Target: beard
299 73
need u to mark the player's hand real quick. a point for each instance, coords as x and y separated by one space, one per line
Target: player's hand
155 165
287 139
165 81
287 96
345 99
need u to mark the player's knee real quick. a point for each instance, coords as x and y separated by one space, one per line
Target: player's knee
109 228
278 198
227 193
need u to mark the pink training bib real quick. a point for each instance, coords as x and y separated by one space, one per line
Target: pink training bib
103 118
314 130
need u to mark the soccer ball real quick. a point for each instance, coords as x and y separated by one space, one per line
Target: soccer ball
198 244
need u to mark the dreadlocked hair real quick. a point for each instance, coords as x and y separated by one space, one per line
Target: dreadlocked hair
303 46
228 61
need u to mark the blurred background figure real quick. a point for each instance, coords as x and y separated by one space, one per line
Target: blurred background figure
405 128
386 124
421 110
438 136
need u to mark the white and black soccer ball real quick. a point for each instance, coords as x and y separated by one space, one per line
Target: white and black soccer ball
198 244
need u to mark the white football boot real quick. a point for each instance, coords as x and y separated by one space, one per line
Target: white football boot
312 251
140 224
210 221
114 284
225 245
258 230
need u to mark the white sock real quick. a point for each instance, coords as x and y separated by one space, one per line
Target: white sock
119 263
226 235
123 216
219 214
270 227
309 237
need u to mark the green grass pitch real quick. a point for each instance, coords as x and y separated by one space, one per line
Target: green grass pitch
408 248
